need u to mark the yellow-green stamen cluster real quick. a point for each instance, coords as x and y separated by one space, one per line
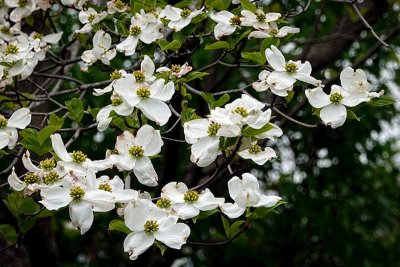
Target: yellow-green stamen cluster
335 97
116 101
135 30
260 16
78 156
3 122
47 164
136 151
105 187
51 178
91 17
11 49
213 129
274 32
151 226
77 193
139 76
291 67
191 196
143 92
242 111
119 4
22 3
5 30
235 21
163 203
116 74
31 178
255 149
185 13
175 68
37 36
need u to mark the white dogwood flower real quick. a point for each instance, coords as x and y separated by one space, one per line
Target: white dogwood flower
133 153
273 32
16 49
285 73
115 75
186 203
82 197
90 17
257 154
149 223
116 6
118 105
101 50
272 83
176 70
246 193
8 127
227 23
258 20
116 187
40 43
179 18
355 82
22 8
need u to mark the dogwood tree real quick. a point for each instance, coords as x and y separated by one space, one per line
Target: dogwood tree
93 89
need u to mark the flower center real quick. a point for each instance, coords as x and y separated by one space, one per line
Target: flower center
291 67
47 164
3 122
163 203
105 187
255 149
5 30
11 49
119 4
51 178
185 13
260 16
191 196
213 129
78 156
274 32
91 17
116 101
77 193
242 111
175 68
37 36
22 3
139 76
115 75
136 151
143 92
31 178
335 97
135 30
235 21
151 226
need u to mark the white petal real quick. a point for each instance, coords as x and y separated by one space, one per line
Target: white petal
20 118
155 110
232 210
205 151
26 160
81 215
222 29
101 200
137 243
149 139
135 215
207 201
55 198
126 195
186 211
174 191
348 77
317 97
235 186
268 201
162 92
145 173
4 139
59 148
174 235
333 115
275 58
124 142
147 66
15 182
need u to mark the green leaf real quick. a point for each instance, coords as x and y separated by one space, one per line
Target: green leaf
8 232
54 120
382 101
289 97
118 225
254 56
188 114
351 115
165 45
248 131
12 203
31 141
204 215
267 43
161 246
193 76
217 45
226 225
248 6
45 133
235 228
262 212
212 102
28 206
217 4
75 109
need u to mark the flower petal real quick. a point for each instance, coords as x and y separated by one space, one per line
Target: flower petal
136 243
232 210
81 215
333 115
317 97
55 198
20 118
174 235
145 173
59 148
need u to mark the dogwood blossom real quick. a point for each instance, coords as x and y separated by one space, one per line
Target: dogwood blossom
40 43
176 70
118 105
273 32
355 82
101 50
116 187
89 18
116 6
133 153
257 154
20 119
149 223
179 18
186 203
16 49
115 75
227 23
21 9
246 193
258 20
266 82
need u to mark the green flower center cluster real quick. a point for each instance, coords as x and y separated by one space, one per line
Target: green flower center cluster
254 149
78 156
235 21
143 92
139 76
116 74
274 32
291 67
185 13
151 226
3 122
91 17
31 178
37 36
335 97
213 129
191 196
11 49
116 101
242 111
22 3
5 30
163 203
175 68
136 151
260 16
51 178
119 4
135 30
77 193
105 187
47 164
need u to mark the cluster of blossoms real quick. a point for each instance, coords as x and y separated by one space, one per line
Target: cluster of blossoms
238 129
